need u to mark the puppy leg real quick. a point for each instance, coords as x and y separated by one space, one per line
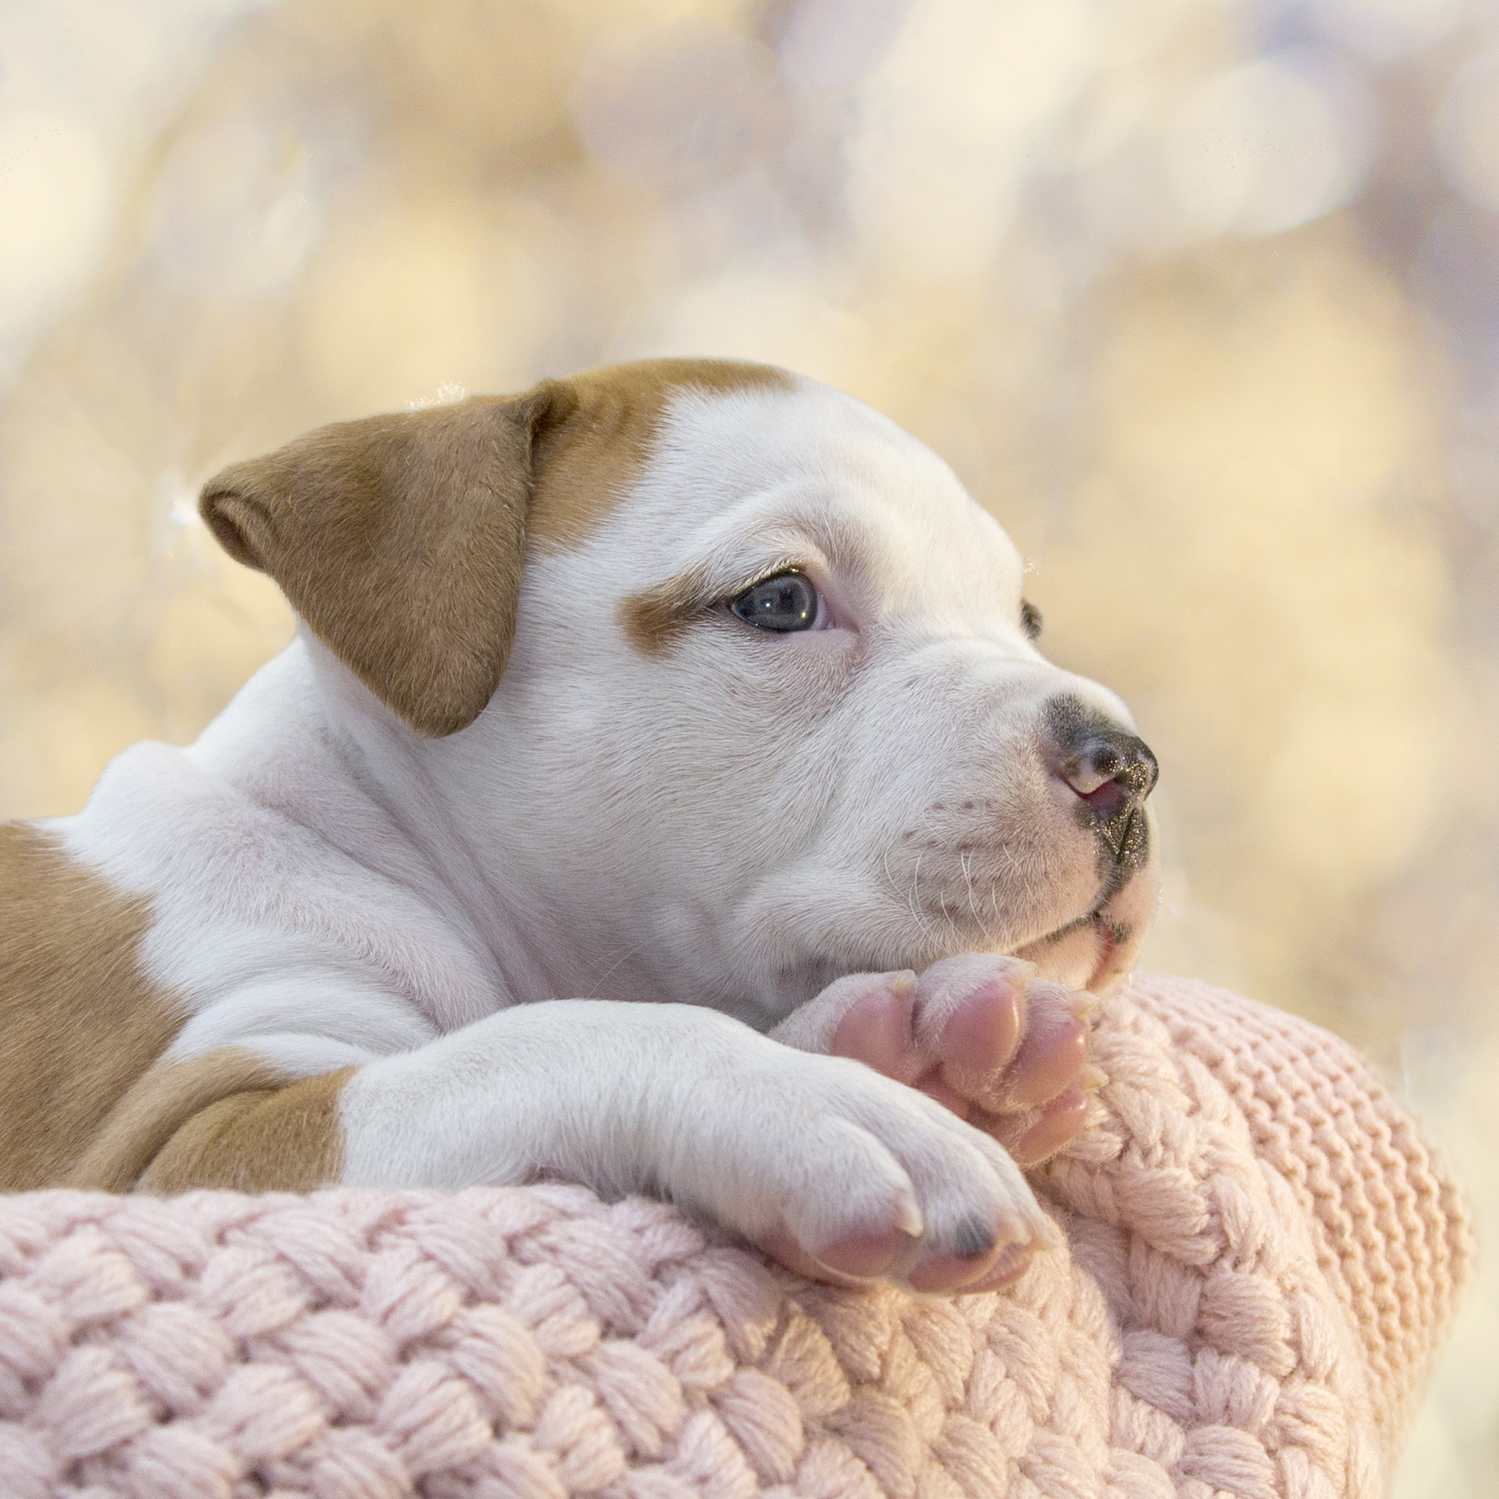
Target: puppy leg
834 1168
829 1165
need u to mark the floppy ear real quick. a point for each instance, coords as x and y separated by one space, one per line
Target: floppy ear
399 539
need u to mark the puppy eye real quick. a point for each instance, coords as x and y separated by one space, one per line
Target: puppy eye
1030 620
785 602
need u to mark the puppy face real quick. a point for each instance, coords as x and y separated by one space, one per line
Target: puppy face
691 788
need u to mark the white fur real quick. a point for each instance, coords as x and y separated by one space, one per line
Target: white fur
728 824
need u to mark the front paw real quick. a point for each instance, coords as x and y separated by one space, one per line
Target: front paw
980 1033
846 1175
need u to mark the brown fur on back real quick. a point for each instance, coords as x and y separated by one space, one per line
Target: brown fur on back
87 1098
79 1023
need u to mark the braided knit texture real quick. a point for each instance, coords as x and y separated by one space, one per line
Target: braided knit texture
1261 1255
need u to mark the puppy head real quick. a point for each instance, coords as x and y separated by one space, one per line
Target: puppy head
769 706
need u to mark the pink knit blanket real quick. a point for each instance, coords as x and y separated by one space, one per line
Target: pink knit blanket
1261 1254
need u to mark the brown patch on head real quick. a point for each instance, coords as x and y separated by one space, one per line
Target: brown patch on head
400 539
79 1021
587 462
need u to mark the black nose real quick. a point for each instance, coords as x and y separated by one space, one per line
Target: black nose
1110 756
1111 771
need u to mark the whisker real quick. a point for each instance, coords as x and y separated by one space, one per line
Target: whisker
618 963
968 883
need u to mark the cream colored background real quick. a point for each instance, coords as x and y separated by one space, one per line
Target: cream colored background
1200 298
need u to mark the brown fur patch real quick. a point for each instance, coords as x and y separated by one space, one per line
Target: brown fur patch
589 456
226 1119
257 1136
79 1022
400 539
86 1097
651 618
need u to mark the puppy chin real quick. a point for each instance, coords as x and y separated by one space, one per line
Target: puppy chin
1097 952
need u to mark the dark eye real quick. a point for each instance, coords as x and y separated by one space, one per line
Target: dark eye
785 602
1030 620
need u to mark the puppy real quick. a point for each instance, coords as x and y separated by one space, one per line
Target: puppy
693 684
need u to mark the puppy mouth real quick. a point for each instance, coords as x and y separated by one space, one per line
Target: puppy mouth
1092 949
1121 909
1095 949
1107 938
1124 836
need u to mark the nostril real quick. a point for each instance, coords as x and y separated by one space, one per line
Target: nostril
1108 799
1108 772
1091 769
1139 771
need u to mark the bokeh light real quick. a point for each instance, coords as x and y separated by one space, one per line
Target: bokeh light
1200 298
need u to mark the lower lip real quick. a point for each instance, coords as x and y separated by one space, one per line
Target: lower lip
1108 945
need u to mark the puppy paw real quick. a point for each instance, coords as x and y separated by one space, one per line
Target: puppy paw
871 1180
980 1033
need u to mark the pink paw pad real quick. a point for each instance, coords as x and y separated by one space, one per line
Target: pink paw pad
987 1039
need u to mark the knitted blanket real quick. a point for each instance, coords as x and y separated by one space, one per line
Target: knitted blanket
1260 1256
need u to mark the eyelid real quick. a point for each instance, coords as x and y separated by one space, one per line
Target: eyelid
777 570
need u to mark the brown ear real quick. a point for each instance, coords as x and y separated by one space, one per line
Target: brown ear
399 539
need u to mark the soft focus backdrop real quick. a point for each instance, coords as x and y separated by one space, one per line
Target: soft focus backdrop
1201 298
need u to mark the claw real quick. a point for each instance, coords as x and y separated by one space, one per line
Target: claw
1085 1005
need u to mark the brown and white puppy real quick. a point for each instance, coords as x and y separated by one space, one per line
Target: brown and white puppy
687 683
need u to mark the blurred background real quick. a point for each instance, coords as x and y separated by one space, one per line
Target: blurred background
1199 297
